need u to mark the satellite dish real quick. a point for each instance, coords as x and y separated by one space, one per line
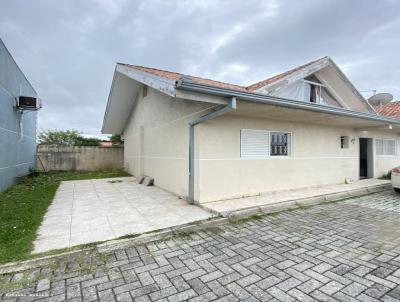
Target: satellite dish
380 99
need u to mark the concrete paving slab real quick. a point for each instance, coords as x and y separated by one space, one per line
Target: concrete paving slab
327 192
87 211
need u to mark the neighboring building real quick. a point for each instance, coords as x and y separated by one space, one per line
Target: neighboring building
17 127
391 109
208 140
106 144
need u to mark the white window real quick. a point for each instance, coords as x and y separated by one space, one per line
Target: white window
262 143
254 143
385 147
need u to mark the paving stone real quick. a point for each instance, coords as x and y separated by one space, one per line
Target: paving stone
209 296
395 293
354 289
331 288
194 274
126 287
182 296
252 279
300 296
280 295
94 281
106 295
211 276
377 290
344 251
110 284
73 291
144 290
123 297
89 293
43 284
165 292
309 286
218 289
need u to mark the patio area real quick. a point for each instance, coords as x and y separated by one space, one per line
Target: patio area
87 211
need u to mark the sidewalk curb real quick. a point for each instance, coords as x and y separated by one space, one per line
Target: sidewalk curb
46 260
304 202
146 238
113 245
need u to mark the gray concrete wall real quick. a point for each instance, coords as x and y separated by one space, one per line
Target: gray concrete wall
65 158
17 138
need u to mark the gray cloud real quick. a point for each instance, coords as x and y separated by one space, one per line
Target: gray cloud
68 49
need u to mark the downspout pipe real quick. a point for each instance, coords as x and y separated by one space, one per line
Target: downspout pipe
229 107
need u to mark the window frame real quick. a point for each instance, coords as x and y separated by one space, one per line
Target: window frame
269 156
346 142
383 147
314 86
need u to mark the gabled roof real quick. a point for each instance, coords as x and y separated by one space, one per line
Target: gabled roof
280 76
128 80
175 76
391 109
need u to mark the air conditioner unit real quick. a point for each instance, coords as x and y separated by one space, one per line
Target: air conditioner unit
28 103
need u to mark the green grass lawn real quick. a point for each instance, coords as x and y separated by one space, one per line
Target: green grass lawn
23 206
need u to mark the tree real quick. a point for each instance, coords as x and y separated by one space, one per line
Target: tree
116 139
66 138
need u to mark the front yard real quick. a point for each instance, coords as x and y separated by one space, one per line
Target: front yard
23 206
341 251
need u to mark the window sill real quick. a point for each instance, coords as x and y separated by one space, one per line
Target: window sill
268 157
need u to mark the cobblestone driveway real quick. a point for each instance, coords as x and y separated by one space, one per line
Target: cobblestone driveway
345 251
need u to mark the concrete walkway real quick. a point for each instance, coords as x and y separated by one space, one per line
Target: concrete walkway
225 207
87 211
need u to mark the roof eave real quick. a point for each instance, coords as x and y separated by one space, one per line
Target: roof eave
108 102
349 83
276 101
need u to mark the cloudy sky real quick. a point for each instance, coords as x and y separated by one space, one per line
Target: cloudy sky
68 48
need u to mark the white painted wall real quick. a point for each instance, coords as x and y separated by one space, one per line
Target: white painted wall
316 159
160 150
159 127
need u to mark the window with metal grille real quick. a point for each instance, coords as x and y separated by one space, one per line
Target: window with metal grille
385 147
263 144
280 144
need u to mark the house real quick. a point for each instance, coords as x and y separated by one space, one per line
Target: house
207 140
391 109
17 124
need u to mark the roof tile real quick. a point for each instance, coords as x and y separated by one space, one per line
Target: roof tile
391 109
177 76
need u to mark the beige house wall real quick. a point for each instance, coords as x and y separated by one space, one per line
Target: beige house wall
156 144
156 139
383 163
316 158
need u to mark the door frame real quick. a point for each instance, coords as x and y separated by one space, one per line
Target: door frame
370 157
